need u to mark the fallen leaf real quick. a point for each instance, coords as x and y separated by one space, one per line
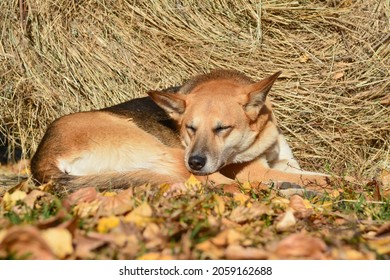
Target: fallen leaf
105 224
334 194
152 231
85 195
280 202
242 214
141 215
84 245
380 242
9 200
210 250
241 198
193 184
153 237
59 240
25 242
228 236
380 245
247 186
383 230
287 221
115 204
86 209
32 197
300 246
155 256
301 206
237 252
219 204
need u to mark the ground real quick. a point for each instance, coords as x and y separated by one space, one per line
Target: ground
240 221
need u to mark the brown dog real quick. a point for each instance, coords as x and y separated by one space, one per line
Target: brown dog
218 126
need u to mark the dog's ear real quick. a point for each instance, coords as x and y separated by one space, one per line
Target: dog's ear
256 94
174 104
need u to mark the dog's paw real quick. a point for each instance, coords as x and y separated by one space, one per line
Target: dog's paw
288 189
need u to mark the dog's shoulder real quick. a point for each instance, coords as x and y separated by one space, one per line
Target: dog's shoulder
148 116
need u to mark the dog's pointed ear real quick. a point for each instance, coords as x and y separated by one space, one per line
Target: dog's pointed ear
174 104
257 94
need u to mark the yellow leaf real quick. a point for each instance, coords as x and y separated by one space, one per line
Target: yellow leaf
59 240
281 202
334 194
109 194
246 186
107 223
9 200
380 245
194 184
163 188
307 204
220 204
241 198
141 215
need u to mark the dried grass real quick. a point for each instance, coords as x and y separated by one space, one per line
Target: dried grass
332 100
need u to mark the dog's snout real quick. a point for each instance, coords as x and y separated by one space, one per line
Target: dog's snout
197 162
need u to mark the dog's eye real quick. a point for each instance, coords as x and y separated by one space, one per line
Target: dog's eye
222 128
190 128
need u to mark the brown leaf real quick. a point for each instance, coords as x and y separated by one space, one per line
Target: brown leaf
380 242
384 230
88 194
237 252
32 197
301 207
300 245
84 245
242 214
53 221
25 242
116 204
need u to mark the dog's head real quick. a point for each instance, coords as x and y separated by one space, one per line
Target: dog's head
219 120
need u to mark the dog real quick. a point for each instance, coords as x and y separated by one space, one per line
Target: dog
217 126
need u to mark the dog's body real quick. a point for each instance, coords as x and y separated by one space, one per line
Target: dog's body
218 126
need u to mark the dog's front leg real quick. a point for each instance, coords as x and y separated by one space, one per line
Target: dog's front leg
257 171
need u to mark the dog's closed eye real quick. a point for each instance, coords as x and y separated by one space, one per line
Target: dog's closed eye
222 128
190 128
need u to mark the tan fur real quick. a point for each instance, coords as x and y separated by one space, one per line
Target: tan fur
225 124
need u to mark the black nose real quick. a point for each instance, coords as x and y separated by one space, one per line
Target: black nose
196 162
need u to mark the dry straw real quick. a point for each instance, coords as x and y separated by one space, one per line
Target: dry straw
332 100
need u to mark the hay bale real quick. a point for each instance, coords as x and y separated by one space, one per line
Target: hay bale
332 100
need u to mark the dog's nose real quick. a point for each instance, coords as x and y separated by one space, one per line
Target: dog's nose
196 162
